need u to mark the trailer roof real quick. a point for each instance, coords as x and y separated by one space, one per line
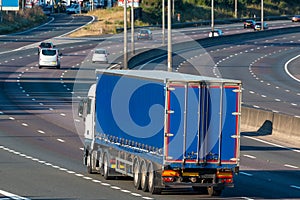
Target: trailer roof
165 75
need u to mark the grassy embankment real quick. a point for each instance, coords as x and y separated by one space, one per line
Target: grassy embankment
108 20
21 20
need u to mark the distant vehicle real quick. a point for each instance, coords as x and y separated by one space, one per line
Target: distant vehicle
215 33
99 3
258 26
47 45
86 7
296 18
249 23
144 34
73 9
49 58
100 55
48 10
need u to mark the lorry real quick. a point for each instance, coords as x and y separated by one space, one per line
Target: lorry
166 130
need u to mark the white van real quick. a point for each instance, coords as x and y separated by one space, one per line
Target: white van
49 58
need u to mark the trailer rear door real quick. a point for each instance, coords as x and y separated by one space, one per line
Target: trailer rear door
202 122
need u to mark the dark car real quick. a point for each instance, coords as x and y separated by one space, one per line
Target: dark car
47 45
249 23
144 34
296 18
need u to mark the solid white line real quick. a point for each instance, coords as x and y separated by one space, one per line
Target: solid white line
291 166
270 143
286 68
12 196
294 186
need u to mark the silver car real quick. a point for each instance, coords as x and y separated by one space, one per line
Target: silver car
100 55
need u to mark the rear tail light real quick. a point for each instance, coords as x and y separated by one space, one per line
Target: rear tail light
168 179
225 176
170 175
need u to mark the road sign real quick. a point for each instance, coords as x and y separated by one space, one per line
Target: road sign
10 5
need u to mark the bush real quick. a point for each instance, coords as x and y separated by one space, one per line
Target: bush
22 20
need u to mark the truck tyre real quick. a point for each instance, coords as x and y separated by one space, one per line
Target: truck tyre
136 174
101 163
144 176
214 191
151 180
88 164
105 167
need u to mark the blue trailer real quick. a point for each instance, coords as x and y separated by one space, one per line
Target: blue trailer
164 129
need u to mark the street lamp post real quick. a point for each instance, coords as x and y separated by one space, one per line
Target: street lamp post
132 28
212 18
163 22
235 8
169 37
1 17
262 15
125 35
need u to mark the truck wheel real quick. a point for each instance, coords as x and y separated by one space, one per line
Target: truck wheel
144 176
214 191
88 164
91 162
151 180
101 163
105 167
136 174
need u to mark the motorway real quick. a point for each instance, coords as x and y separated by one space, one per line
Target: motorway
41 141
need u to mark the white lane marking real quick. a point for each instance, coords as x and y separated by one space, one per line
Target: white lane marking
40 131
80 175
247 174
291 166
249 156
63 114
247 198
60 140
273 144
294 186
24 124
287 70
12 196
136 194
